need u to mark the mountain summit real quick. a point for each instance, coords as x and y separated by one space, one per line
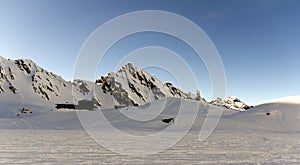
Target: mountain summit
134 86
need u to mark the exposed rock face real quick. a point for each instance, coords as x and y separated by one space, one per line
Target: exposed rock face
134 86
21 72
231 102
235 103
28 81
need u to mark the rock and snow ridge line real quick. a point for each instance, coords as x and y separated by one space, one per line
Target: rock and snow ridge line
23 81
134 86
129 86
231 102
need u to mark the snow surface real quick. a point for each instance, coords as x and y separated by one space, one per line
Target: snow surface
240 137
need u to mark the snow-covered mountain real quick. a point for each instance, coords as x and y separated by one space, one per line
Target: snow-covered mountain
134 86
24 83
24 76
231 102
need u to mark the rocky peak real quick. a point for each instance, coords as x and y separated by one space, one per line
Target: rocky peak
134 86
14 74
231 102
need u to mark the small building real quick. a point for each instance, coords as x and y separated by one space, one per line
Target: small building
82 105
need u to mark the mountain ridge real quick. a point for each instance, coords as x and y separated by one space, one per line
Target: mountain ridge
129 86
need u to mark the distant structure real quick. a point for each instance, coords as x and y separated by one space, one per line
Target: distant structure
64 106
189 95
82 104
198 97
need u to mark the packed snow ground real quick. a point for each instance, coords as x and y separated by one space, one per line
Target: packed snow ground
240 137
75 147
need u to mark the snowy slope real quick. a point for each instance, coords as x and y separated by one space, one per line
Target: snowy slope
280 115
249 137
287 99
282 118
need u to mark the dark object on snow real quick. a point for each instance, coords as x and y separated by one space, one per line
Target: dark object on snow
268 113
82 104
67 106
121 106
24 110
169 120
87 104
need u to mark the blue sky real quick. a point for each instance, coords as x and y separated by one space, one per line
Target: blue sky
258 40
